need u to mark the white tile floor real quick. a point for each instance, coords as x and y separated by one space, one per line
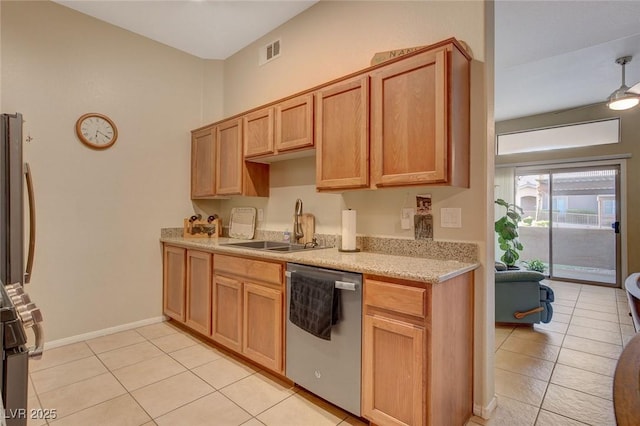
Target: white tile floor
160 375
559 373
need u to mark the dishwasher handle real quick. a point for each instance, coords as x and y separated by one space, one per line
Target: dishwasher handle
342 285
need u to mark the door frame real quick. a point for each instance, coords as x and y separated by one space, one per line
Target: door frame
621 203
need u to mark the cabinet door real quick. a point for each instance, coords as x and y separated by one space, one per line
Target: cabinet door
227 312
262 325
203 180
258 133
199 291
409 121
393 386
229 159
174 283
294 123
342 135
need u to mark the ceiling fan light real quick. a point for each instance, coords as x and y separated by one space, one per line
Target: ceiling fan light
621 99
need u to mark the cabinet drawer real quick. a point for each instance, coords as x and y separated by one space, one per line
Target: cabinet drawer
395 297
255 269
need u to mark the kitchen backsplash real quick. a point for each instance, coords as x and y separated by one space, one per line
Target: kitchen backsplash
441 250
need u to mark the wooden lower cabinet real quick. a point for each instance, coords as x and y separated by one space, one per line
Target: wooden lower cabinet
262 325
248 309
392 371
227 312
174 283
198 312
417 351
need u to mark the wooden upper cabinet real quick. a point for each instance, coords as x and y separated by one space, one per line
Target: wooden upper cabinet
342 135
203 179
420 120
400 123
294 123
287 126
258 133
229 162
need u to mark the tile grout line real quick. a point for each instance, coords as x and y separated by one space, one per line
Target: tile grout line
114 376
555 364
173 375
219 390
565 387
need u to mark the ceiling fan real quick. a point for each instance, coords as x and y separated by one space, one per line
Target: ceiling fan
624 97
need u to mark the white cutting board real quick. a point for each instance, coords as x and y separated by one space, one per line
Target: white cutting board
242 223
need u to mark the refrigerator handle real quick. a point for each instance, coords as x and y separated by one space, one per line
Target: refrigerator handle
37 350
32 223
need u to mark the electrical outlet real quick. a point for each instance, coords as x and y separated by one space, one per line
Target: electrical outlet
260 215
406 218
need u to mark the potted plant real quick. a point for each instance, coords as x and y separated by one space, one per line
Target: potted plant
535 265
507 229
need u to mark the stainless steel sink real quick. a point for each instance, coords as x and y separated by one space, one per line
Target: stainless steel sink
276 246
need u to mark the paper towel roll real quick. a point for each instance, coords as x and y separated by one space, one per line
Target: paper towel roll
348 229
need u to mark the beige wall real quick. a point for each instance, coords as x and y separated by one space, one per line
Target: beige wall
629 144
99 213
323 43
98 263
332 39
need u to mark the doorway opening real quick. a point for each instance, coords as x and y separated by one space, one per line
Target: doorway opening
571 221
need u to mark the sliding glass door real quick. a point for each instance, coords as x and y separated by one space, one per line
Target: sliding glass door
571 221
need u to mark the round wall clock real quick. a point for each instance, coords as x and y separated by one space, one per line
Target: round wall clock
96 130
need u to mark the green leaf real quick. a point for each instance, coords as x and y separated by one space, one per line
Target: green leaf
508 258
519 246
502 203
508 233
515 216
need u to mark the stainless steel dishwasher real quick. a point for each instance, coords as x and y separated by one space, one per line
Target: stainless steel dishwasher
329 368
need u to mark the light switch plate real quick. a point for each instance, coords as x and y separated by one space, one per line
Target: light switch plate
451 218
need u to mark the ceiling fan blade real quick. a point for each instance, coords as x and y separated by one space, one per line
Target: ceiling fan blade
578 107
635 89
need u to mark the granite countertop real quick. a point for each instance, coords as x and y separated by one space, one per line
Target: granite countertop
425 270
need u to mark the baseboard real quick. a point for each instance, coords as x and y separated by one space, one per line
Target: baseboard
103 332
487 411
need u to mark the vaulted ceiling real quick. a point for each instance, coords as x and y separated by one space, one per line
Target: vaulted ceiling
549 55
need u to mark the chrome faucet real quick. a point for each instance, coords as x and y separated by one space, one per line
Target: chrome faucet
297 225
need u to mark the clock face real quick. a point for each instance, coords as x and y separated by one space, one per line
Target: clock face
96 130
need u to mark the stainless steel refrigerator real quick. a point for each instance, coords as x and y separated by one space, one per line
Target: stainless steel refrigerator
18 314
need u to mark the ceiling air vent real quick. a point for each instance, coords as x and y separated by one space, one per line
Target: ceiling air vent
269 52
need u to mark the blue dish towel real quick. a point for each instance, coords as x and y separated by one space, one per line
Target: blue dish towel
314 305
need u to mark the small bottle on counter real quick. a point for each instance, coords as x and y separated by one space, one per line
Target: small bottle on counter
287 236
